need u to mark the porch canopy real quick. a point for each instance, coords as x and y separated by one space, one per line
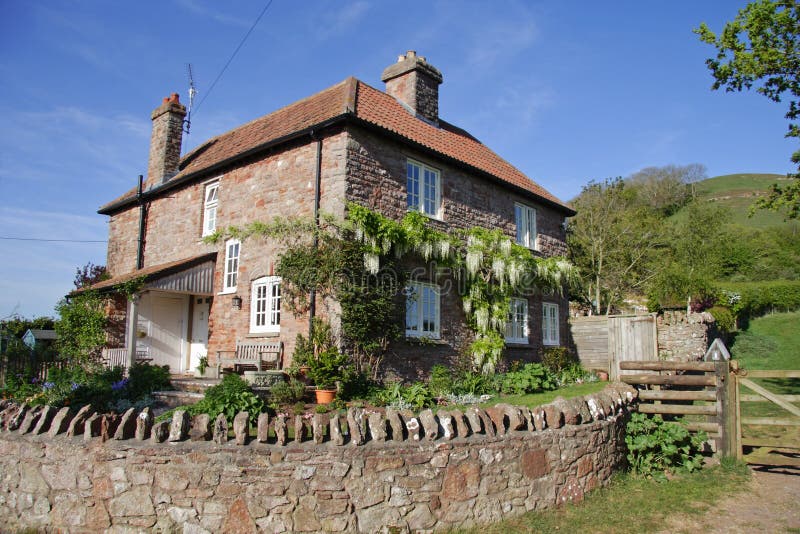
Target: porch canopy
167 318
193 276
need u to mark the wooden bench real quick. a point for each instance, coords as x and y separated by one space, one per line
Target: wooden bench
250 353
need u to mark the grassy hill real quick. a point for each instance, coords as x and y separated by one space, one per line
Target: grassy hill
738 192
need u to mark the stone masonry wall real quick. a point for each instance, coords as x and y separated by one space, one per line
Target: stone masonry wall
376 170
684 337
401 471
280 184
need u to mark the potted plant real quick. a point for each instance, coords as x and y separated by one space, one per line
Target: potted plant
201 367
326 369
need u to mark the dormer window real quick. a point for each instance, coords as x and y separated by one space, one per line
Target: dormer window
211 201
423 189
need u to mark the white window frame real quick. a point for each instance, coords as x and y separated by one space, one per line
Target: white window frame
230 277
418 196
525 220
550 326
210 207
265 308
517 326
421 298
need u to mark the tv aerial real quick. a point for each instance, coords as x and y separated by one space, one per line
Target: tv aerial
187 122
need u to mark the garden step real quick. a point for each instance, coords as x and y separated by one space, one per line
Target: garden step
194 385
172 399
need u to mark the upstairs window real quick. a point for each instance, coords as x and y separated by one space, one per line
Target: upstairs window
210 208
517 326
422 310
525 217
265 305
549 324
423 188
232 250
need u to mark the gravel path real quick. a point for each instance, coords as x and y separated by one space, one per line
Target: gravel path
770 503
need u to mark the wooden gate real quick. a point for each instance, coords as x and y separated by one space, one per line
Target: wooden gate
711 394
631 338
767 430
704 391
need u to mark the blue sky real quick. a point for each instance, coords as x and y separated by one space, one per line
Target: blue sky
565 91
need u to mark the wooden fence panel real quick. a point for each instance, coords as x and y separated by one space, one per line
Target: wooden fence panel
631 338
590 339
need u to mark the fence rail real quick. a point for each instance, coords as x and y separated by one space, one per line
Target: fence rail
700 389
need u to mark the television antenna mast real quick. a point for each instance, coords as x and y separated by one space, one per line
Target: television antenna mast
192 93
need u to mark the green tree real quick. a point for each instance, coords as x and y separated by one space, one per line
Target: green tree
80 329
612 240
666 189
759 48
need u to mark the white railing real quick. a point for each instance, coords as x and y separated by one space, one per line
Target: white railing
119 357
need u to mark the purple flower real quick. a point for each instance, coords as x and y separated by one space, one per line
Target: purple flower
74 386
48 385
116 386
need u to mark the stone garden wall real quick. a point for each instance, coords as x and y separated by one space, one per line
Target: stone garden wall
416 472
684 337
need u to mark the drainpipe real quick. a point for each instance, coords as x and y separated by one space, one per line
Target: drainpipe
312 297
142 215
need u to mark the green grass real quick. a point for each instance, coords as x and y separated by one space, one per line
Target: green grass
770 342
632 504
537 399
737 192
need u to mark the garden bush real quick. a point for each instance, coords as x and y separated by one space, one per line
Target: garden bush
557 358
751 299
288 392
724 318
530 378
440 381
229 397
656 448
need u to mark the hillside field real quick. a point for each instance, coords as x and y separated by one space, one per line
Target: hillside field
737 192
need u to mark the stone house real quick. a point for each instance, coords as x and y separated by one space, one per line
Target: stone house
388 150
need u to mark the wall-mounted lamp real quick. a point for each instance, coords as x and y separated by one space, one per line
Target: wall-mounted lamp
236 301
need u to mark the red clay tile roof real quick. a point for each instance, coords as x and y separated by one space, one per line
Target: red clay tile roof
355 99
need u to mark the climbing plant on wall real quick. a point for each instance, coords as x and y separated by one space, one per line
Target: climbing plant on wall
490 268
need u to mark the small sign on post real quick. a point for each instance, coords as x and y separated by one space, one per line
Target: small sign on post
717 352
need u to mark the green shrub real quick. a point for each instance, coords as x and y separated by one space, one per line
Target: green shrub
288 392
417 396
229 397
557 358
575 373
656 447
751 299
145 379
440 381
531 378
724 318
474 383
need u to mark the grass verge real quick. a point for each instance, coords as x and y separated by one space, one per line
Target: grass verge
631 504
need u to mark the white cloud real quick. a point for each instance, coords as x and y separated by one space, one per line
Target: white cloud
338 18
201 8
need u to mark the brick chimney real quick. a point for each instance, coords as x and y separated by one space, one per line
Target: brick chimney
415 82
165 141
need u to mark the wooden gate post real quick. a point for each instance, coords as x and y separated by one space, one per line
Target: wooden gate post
726 406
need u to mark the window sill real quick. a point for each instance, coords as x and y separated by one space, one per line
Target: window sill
428 215
230 291
423 340
518 344
262 334
556 344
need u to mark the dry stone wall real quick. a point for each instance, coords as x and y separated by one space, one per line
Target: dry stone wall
365 472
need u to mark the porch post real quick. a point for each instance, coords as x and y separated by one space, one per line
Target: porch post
133 325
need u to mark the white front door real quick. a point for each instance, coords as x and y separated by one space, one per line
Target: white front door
161 329
198 346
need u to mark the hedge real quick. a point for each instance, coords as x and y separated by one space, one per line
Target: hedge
752 299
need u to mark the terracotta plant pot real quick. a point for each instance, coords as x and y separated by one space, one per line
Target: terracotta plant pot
302 374
603 376
325 396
